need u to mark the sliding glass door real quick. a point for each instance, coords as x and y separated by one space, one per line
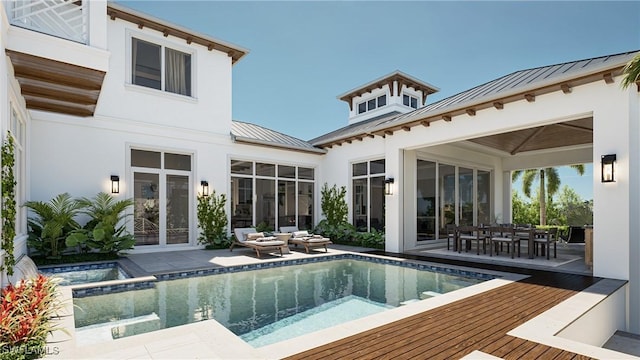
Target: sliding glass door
449 194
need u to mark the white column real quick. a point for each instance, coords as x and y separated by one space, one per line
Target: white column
634 211
97 22
394 237
409 218
612 201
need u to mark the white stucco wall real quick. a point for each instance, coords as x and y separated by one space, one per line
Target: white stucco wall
78 155
209 107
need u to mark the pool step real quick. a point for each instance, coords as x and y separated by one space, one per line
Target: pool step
429 294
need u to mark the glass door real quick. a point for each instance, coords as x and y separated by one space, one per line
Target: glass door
177 214
146 195
426 200
447 185
162 201
465 196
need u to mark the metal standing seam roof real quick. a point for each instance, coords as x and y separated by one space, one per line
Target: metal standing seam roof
516 82
244 132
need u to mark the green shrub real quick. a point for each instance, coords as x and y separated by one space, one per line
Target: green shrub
106 230
343 233
51 223
373 239
212 220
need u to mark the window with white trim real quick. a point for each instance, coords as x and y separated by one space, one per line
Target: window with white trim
271 195
368 195
372 104
160 67
410 100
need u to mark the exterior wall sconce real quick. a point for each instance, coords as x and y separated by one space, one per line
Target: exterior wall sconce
388 186
115 184
205 187
608 163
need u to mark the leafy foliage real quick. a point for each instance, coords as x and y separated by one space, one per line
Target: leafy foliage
570 209
340 234
334 207
74 258
631 72
264 227
549 185
106 229
212 220
334 204
53 222
8 204
373 239
25 314
575 210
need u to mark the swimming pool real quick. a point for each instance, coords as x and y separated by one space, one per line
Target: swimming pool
268 305
85 273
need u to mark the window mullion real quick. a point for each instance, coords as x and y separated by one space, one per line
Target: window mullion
163 68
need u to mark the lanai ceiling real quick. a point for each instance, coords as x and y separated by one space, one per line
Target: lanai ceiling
570 133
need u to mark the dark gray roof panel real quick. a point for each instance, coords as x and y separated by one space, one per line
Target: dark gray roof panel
256 134
522 80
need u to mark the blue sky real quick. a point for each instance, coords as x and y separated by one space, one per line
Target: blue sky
305 53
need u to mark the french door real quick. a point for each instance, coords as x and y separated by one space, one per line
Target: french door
162 203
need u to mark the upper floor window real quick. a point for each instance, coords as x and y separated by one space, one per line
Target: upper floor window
161 68
409 100
372 104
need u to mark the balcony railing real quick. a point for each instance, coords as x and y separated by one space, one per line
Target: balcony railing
66 19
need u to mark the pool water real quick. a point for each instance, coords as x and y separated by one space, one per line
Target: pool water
83 274
263 306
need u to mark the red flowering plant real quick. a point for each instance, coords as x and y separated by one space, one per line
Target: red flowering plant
26 310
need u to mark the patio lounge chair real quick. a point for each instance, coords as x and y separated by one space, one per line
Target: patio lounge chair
305 239
250 238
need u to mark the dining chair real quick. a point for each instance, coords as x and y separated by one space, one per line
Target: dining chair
499 235
469 234
544 242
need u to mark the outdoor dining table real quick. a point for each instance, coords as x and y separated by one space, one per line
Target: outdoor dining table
531 234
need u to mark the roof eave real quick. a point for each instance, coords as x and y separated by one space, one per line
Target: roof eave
614 69
252 141
115 10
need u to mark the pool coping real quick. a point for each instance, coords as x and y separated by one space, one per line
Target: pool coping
211 338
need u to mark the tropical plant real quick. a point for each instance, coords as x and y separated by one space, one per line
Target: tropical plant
549 181
264 226
8 204
52 222
334 204
26 311
334 207
343 233
212 220
106 230
631 72
575 210
372 239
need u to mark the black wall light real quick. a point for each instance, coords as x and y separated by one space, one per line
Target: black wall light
205 187
608 163
115 184
388 186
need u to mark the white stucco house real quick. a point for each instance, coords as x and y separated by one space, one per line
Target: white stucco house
97 95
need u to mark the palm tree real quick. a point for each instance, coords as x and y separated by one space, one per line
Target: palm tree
549 184
631 72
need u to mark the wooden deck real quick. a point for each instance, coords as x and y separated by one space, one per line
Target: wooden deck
480 322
